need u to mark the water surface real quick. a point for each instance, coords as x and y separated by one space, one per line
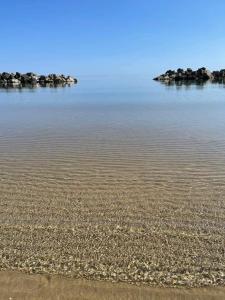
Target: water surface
140 164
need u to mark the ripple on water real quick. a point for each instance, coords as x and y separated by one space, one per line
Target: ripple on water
131 195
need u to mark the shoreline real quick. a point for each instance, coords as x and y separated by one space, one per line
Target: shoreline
19 285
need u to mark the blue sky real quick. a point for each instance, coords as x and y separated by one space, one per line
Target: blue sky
119 38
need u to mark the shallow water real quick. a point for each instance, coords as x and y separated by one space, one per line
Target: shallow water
164 137
143 161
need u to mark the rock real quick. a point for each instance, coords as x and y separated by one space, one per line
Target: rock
201 74
180 71
42 78
58 80
70 79
170 72
14 81
204 74
25 79
5 75
30 74
18 75
31 78
3 82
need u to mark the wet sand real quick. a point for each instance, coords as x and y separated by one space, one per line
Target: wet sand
18 286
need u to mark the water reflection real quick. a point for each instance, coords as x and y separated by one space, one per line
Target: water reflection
199 84
21 87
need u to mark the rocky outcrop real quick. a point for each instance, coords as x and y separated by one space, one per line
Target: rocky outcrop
17 79
199 75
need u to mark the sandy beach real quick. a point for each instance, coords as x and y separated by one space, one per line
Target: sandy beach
19 286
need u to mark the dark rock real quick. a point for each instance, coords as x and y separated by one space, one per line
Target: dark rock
202 74
5 75
18 75
180 70
189 70
30 74
30 78
170 72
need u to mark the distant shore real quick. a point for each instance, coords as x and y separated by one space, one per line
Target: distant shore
189 75
19 80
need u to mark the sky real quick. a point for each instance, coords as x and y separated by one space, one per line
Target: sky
100 38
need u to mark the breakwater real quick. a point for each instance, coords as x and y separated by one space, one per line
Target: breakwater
19 80
188 75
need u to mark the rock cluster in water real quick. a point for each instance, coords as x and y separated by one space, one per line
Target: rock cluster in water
202 74
18 79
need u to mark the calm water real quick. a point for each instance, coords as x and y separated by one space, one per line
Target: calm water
148 135
122 182
147 132
169 141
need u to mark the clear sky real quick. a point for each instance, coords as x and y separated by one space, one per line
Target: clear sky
119 37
